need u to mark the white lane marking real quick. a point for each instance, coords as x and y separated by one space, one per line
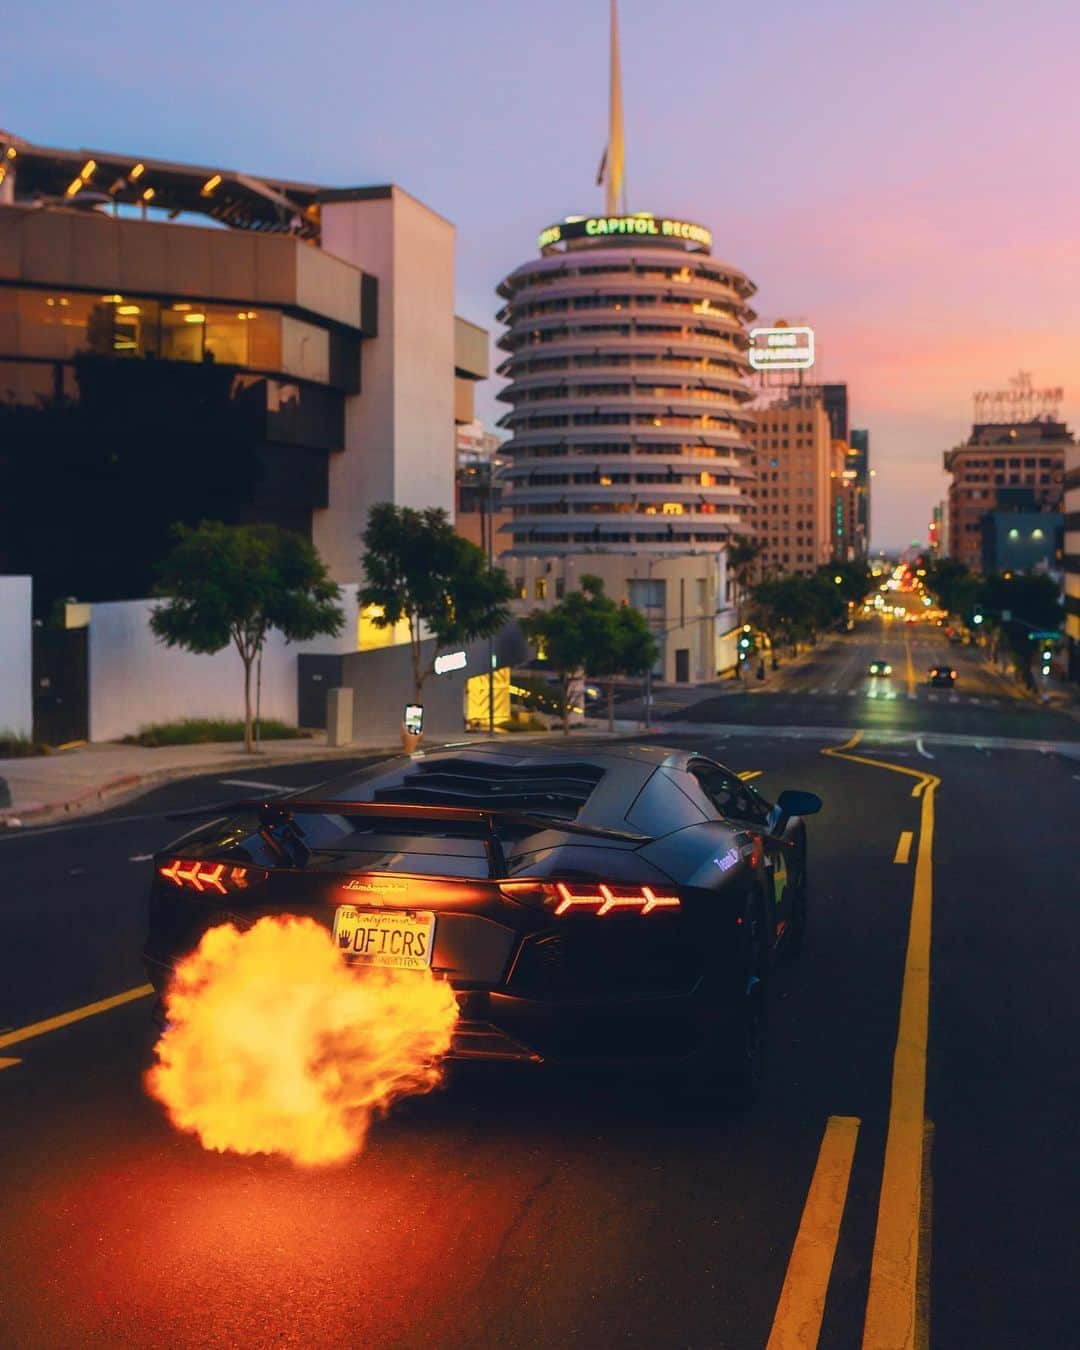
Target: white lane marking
140 857
250 783
912 696
852 692
954 698
813 691
922 749
932 698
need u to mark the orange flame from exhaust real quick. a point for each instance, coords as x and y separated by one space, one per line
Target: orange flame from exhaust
276 1045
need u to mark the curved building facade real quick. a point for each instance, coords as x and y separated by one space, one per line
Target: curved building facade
626 361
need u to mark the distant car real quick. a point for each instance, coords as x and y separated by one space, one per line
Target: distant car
955 639
942 677
588 906
879 668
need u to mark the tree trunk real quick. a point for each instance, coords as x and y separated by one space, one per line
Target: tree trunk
611 704
566 706
249 745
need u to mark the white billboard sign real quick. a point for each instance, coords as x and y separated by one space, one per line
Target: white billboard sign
781 348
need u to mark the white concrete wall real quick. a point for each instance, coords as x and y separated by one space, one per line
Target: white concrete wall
136 680
399 430
16 656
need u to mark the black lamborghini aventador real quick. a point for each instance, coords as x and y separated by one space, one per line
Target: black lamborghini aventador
589 905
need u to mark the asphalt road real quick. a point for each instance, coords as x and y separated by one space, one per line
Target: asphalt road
532 1210
834 688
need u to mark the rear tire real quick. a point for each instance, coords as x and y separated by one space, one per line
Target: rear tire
800 913
736 1064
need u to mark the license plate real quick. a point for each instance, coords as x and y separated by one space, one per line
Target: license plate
398 938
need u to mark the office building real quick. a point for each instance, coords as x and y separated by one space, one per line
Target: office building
834 399
180 342
796 470
859 460
999 459
678 594
479 512
1072 559
849 541
1019 538
938 530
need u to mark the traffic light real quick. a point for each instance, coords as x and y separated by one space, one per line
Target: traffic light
976 618
746 641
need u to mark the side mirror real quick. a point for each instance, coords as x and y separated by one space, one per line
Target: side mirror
795 803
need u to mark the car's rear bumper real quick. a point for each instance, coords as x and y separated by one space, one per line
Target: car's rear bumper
648 1029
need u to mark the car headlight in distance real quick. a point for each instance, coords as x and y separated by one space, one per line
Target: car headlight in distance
888 670
213 878
589 897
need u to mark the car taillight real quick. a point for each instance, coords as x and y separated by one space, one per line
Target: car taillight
597 898
214 878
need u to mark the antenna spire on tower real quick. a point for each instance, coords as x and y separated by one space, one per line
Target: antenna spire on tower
611 167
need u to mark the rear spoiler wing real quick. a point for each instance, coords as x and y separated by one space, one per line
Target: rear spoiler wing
284 836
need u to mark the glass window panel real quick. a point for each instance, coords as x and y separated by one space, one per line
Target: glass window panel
182 333
52 323
225 335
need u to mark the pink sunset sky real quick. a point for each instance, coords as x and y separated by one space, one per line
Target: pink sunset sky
901 176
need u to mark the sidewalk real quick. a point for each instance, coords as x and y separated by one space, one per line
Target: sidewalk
89 778
92 777
1052 693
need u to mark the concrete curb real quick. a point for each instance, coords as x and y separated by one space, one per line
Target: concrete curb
116 791
126 787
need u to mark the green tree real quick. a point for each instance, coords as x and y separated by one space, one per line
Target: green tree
234 583
570 635
957 589
621 643
418 569
1032 601
854 583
